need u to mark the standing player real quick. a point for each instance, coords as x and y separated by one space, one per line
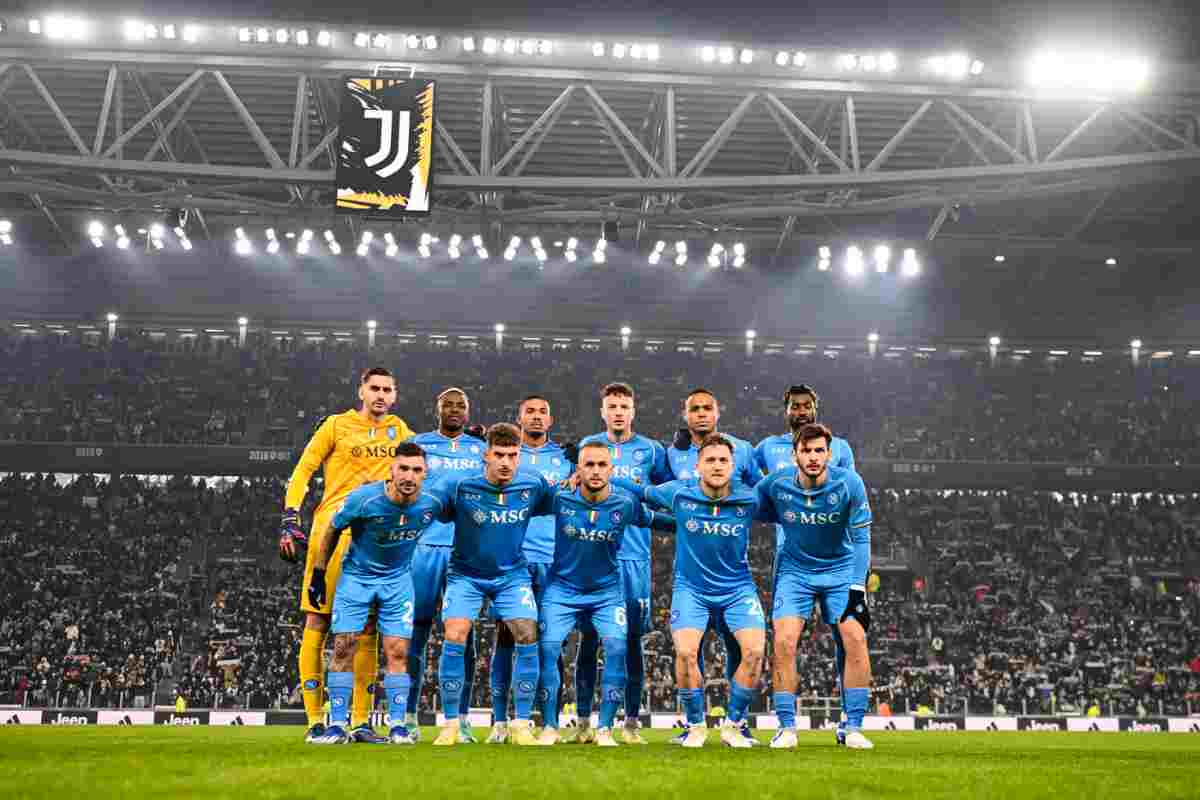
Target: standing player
353 447
451 452
826 555
385 520
800 403
538 454
712 579
702 414
642 461
585 583
491 513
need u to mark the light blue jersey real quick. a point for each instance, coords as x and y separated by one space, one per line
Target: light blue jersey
554 467
712 536
641 460
588 538
448 457
490 521
827 530
682 463
383 533
776 452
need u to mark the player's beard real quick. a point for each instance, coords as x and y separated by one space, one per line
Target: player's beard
819 476
796 423
453 427
723 487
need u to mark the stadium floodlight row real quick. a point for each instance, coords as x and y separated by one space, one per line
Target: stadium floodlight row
873 340
1058 69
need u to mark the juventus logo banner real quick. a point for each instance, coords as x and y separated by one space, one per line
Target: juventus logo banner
385 152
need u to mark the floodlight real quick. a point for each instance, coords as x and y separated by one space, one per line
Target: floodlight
739 249
243 247
873 337
883 257
483 254
528 47
739 262
477 240
681 246
598 49
854 261
430 42
869 63
751 334
999 259
536 243
381 41
282 35
392 250
134 30
572 243
681 259
888 62
362 249
186 244
659 246
95 228
994 341
708 54
242 322
510 254
262 35
424 251
499 327
468 44
847 61
725 55
1112 262
490 45
111 317
362 39
825 253
714 261
652 52
302 37
1136 344
514 243
273 246
626 330
823 265
746 56
599 257
602 244
302 246
372 324
545 47
618 50
157 231
191 33
782 59
324 38
910 267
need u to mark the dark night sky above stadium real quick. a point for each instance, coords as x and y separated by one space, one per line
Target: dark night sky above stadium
1162 29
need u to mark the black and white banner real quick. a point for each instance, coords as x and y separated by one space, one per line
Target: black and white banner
385 148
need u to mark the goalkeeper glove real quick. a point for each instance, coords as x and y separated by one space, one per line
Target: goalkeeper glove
292 539
316 588
478 431
856 607
571 452
682 440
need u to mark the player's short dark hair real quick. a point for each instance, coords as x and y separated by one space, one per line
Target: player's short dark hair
617 388
502 434
715 440
593 445
527 398
813 430
409 450
382 372
696 391
801 388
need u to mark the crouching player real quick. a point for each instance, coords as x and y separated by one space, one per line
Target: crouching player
583 588
385 519
826 521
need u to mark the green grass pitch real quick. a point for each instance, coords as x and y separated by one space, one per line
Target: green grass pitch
274 762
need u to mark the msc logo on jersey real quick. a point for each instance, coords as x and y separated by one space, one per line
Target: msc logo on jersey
814 518
505 517
723 528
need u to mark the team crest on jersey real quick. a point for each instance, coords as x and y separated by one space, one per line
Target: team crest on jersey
639 456
789 515
833 498
525 495
480 517
616 517
391 431
556 462
427 517
741 512
692 525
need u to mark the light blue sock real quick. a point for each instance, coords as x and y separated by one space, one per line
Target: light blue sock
502 670
693 703
739 701
613 689
397 686
550 682
450 675
341 688
785 709
856 707
417 655
586 662
464 702
525 673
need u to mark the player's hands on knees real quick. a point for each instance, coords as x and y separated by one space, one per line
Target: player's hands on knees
292 539
316 588
856 608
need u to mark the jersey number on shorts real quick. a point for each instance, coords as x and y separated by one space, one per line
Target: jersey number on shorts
753 607
407 616
620 614
527 597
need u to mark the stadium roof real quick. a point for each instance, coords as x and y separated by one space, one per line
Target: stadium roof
554 138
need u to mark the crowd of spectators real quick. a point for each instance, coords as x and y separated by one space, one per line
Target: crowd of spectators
912 405
90 604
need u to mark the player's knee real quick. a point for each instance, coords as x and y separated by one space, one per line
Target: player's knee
344 646
854 638
457 630
396 650
524 631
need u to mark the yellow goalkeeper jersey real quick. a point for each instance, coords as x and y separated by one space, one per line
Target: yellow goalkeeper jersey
354 451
